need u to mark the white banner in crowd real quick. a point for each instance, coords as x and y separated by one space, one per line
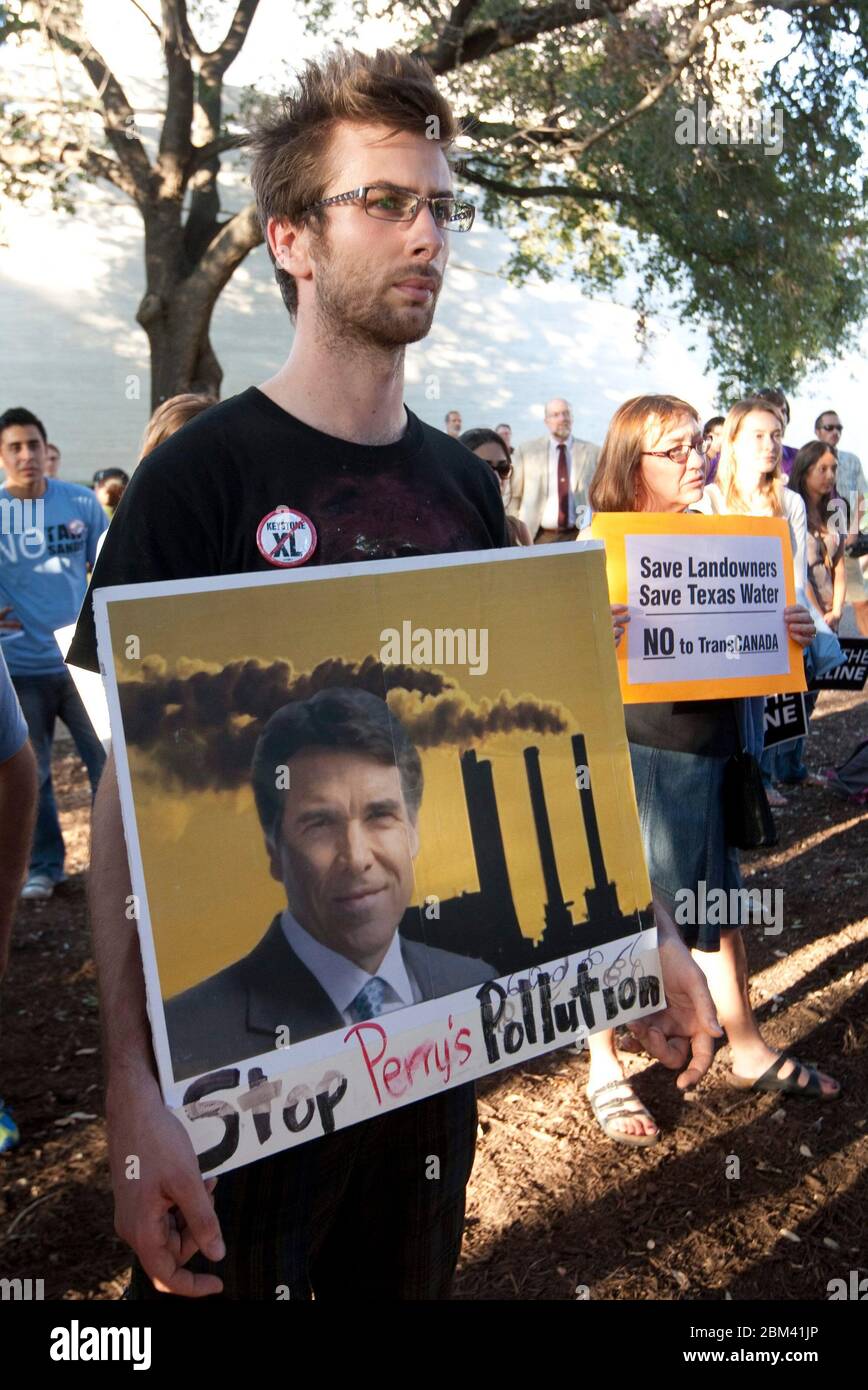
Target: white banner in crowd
706 596
695 611
90 689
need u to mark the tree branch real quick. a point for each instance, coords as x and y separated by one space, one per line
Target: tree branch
523 26
143 12
118 114
94 165
617 196
678 62
447 53
219 59
201 154
681 58
598 194
235 240
182 23
12 24
678 58
175 136
512 30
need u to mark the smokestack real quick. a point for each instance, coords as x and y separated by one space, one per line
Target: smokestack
485 831
557 918
602 899
589 815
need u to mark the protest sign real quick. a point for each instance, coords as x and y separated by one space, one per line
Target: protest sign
851 673
406 770
784 719
706 598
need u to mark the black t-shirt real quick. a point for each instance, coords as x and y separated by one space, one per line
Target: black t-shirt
705 727
196 506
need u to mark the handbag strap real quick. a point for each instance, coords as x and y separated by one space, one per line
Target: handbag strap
739 742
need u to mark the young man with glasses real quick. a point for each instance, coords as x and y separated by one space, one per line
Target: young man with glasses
357 207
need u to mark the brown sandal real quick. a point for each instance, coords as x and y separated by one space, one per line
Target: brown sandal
772 1080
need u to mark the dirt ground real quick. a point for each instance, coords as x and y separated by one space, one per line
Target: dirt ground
554 1207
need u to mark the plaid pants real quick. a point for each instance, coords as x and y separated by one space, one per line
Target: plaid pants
363 1213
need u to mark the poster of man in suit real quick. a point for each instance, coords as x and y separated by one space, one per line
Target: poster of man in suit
381 831
341 839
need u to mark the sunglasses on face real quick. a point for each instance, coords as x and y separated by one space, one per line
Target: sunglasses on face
503 470
832 429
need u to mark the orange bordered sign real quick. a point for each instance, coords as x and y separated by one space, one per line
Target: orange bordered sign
706 597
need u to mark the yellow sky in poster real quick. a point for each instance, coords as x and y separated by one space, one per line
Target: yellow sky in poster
549 636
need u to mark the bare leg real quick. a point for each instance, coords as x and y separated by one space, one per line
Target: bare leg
727 976
605 1067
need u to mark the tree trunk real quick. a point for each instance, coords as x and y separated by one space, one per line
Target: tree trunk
182 291
177 318
182 357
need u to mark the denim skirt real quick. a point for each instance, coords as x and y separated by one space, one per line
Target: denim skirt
680 801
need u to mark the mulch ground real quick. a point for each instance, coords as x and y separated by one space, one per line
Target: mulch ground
555 1210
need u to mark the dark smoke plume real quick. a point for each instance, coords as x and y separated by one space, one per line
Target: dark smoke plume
201 729
453 718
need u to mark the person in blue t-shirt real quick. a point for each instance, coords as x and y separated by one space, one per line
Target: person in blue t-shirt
48 538
17 805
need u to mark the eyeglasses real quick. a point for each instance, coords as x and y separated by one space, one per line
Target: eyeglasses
389 204
503 470
681 453
832 429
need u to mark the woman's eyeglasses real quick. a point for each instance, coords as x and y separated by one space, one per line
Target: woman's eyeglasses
681 452
503 470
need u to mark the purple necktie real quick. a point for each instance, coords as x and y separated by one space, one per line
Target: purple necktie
563 489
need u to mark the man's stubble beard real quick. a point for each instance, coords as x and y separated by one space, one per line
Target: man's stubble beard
351 309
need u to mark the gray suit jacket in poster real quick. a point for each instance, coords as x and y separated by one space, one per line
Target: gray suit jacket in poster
531 477
236 1013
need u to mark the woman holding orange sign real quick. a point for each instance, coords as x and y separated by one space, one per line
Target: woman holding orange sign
652 461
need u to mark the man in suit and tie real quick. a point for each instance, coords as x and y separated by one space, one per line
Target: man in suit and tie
551 477
338 785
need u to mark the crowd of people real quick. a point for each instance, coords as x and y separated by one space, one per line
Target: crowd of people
297 438
546 486
657 458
